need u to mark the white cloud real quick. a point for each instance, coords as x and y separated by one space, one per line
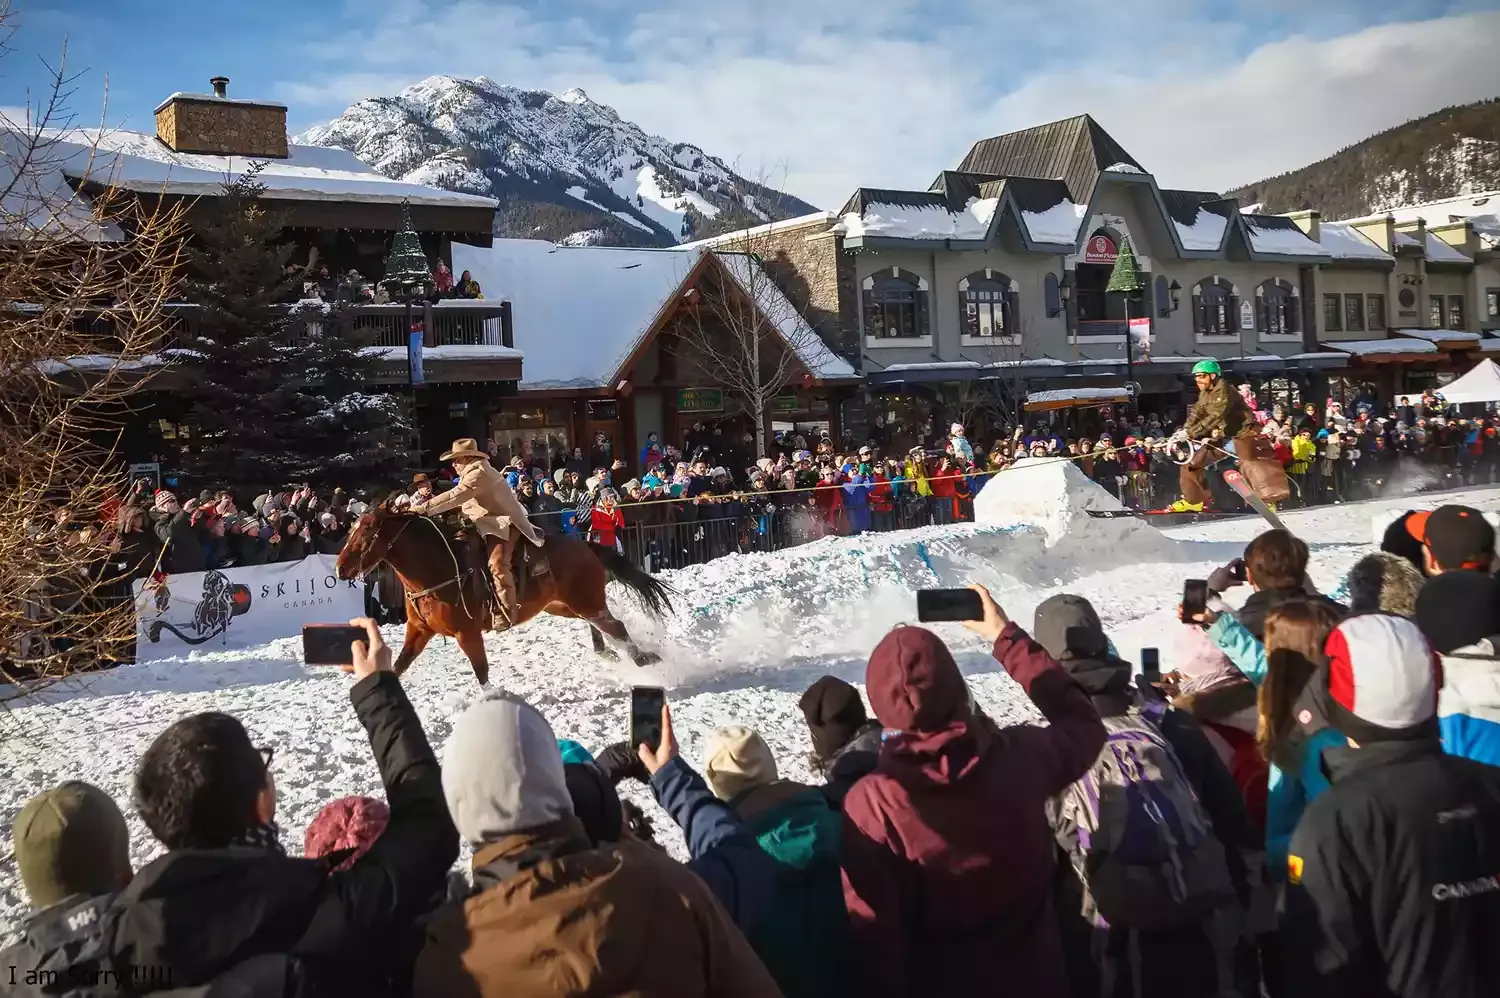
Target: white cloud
886 93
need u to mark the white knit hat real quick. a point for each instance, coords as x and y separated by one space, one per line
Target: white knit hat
502 770
737 759
956 429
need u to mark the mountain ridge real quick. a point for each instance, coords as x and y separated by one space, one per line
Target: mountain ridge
563 166
1449 153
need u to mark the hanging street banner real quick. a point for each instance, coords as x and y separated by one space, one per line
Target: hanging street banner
233 608
1140 340
414 338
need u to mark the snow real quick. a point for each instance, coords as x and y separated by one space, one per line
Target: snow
936 365
1440 335
747 236
749 634
1206 232
820 361
1290 241
582 195
1438 251
631 220
1058 224
138 161
1345 242
1406 239
1253 209
456 351
1371 347
899 221
587 237
1075 395
40 202
1123 168
578 311
99 362
650 189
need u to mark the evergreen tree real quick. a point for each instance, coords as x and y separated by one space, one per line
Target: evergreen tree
406 266
270 403
1126 276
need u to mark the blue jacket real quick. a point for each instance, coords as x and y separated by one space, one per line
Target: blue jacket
741 876
1288 793
803 938
1469 703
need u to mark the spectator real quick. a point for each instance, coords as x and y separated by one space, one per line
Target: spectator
1453 539
1459 615
803 936
606 520
1159 934
1384 583
846 743
1275 565
553 914
442 279
70 844
225 905
1391 882
467 287
348 826
947 855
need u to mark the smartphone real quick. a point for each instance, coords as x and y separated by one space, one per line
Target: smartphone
1194 599
1237 570
1151 665
328 644
646 703
934 605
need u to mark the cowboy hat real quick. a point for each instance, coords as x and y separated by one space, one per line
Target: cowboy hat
464 447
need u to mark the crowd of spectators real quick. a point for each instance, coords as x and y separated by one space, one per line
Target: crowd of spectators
1307 804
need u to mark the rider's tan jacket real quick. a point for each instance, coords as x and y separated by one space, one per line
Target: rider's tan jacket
484 496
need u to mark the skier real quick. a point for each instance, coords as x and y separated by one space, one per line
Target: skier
1217 417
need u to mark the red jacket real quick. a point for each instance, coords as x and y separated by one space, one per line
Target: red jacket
603 525
944 484
882 500
948 857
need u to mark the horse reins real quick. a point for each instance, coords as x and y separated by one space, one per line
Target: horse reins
459 576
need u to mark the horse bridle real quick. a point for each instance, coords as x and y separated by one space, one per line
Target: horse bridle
459 573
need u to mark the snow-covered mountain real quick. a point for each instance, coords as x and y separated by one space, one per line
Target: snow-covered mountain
563 166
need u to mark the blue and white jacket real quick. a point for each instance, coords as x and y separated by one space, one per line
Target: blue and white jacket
1469 704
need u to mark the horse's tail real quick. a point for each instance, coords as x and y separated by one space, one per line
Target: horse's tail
654 594
157 626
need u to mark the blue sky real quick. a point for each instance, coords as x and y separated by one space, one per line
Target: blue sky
819 96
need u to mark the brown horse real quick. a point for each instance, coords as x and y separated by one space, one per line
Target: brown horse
448 591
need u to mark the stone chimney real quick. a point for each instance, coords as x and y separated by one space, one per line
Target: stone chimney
215 125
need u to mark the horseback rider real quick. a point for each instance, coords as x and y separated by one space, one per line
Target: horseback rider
483 495
1219 415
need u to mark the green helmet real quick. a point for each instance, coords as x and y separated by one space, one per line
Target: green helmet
1208 367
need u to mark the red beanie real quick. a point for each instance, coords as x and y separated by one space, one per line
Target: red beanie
913 682
346 823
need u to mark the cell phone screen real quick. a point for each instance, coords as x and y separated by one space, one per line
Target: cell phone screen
1151 664
934 605
1194 598
328 644
646 703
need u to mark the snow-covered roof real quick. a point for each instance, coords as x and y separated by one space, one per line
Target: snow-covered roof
1060 397
215 98
1438 251
1406 239
1344 242
1058 224
813 353
40 203
1371 348
1449 210
579 311
746 236
1279 235
138 161
1440 335
936 365
1206 232
925 221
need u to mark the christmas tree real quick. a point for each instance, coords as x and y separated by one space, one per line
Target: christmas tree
1126 277
406 267
279 392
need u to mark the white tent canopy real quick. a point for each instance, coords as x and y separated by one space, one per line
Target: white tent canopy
1480 385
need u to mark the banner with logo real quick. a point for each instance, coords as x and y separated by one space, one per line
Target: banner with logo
1140 340
234 608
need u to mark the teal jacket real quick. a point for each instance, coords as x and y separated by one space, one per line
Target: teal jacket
803 938
1288 793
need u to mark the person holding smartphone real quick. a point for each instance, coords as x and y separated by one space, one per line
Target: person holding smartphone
947 855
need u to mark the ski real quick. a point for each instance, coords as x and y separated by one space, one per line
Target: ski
1242 489
1116 514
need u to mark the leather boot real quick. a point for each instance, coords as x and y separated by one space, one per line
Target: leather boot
505 588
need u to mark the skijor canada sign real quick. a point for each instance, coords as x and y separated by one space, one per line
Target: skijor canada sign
240 607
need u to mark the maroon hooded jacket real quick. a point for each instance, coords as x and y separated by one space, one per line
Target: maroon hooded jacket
947 854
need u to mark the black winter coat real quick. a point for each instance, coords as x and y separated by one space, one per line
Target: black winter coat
202 913
184 547
1394 880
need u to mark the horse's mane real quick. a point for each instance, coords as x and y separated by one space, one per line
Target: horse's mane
444 526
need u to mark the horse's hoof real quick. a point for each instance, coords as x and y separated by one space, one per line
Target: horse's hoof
647 658
609 654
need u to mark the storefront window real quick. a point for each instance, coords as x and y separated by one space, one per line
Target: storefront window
537 435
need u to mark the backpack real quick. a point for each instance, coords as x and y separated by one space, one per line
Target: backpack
1144 849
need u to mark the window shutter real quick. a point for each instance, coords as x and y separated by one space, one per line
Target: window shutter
1199 319
923 327
1231 314
1012 309
872 316
1161 297
1052 298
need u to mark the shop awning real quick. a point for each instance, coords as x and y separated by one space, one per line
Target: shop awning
1070 398
1400 349
1445 339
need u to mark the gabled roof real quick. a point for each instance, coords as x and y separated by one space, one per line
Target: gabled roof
1074 150
1202 218
1276 236
918 216
958 187
1345 242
